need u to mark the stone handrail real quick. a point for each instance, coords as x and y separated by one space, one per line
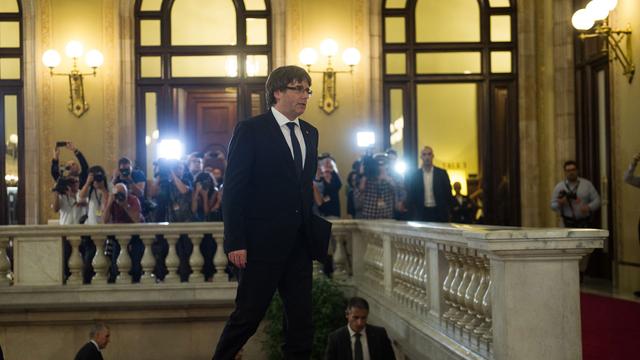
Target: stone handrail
442 291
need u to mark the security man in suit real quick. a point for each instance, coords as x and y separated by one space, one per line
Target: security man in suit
266 204
359 340
99 338
429 191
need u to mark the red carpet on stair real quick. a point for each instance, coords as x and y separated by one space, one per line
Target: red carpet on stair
610 328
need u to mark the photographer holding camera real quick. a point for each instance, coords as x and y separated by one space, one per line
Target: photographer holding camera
95 193
66 200
71 167
575 198
132 178
375 195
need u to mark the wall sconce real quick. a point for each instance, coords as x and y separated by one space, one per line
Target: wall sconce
596 13
329 48
94 58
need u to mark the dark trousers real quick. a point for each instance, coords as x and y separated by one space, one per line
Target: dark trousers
434 214
257 284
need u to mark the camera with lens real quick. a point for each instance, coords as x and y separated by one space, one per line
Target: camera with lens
570 195
205 181
120 196
62 185
125 172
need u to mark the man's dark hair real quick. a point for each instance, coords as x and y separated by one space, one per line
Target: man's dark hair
570 162
280 78
123 161
357 302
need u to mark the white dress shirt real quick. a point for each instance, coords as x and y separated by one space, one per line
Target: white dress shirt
283 121
363 340
427 178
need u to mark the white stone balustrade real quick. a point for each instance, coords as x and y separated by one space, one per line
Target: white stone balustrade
442 291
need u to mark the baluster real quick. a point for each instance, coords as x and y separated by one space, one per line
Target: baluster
446 284
470 291
464 284
484 330
340 260
453 311
220 261
477 297
100 261
75 261
172 261
196 260
124 260
148 260
5 264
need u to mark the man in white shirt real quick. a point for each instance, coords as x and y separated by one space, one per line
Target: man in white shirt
365 341
429 191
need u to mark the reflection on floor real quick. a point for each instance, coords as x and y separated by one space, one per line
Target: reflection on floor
604 287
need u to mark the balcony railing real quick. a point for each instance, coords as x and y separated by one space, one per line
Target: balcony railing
443 291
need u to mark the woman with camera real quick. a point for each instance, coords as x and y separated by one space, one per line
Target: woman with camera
375 195
95 193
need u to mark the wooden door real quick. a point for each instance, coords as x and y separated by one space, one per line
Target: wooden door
211 116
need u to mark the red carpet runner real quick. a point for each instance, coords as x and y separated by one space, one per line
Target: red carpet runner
610 328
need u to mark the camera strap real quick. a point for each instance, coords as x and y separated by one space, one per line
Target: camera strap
573 192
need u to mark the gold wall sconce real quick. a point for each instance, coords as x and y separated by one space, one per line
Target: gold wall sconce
94 59
594 17
329 48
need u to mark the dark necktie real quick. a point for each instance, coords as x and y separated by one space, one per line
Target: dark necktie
297 153
357 348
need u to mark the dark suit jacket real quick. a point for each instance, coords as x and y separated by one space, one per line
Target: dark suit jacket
264 203
339 346
441 192
88 352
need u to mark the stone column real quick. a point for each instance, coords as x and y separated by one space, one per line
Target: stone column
535 301
219 261
340 259
124 260
75 261
172 260
148 261
196 260
100 262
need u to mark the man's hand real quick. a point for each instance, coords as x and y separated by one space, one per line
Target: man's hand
584 209
71 147
56 153
238 258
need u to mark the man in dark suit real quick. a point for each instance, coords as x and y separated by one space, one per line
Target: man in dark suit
99 338
429 191
267 215
359 340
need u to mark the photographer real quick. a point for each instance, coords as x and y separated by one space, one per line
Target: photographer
95 193
71 167
66 200
133 179
375 195
122 207
331 185
575 198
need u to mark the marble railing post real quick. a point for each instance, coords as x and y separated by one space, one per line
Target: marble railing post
148 261
220 260
75 261
100 261
196 260
124 260
5 265
172 261
340 259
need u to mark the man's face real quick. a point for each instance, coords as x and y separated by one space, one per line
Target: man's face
427 156
571 172
125 169
357 318
457 187
72 167
195 165
292 101
102 338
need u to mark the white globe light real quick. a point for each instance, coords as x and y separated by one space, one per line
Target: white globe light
13 138
351 56
610 4
308 56
74 49
329 47
94 58
51 58
597 10
581 20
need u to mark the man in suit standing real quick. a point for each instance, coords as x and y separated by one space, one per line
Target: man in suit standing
359 340
429 189
99 338
266 204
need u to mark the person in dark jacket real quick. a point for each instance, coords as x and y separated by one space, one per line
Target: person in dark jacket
359 340
98 340
429 191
